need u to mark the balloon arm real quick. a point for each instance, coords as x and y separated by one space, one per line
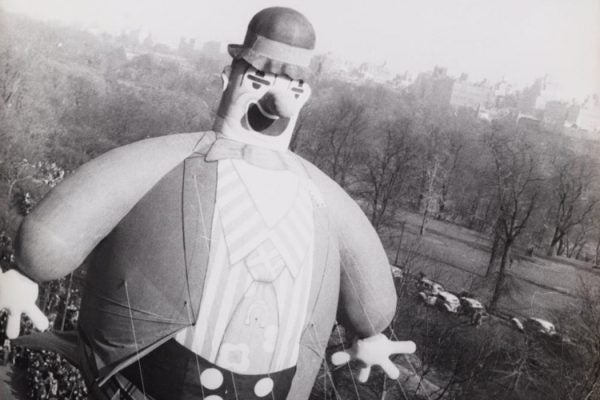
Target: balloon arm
367 293
56 237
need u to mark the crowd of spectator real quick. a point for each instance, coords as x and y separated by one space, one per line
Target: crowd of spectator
49 376
7 256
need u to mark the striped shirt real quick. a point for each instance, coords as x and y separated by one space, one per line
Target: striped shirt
256 291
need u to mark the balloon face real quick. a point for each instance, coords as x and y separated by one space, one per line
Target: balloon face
259 107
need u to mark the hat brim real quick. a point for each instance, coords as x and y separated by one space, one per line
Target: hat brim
267 64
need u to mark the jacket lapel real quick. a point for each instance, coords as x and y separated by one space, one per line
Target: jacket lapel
199 191
320 256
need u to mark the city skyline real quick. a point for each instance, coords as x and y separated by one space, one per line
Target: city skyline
519 41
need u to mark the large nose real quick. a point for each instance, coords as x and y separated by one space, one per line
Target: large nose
279 102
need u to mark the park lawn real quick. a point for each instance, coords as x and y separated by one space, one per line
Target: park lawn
458 257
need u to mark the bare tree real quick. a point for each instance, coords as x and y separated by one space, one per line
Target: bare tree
337 139
15 63
517 187
595 237
575 242
387 169
10 76
435 150
571 202
455 153
582 325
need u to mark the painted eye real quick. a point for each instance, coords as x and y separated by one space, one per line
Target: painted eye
258 82
297 92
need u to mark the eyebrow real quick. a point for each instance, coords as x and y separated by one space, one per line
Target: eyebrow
259 80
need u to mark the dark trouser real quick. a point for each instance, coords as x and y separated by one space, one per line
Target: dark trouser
172 372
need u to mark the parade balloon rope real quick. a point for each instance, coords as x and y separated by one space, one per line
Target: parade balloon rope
137 350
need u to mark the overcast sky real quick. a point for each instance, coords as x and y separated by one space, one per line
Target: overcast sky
516 39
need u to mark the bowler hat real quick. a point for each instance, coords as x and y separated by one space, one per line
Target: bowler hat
279 40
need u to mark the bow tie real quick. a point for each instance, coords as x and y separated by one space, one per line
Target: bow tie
223 149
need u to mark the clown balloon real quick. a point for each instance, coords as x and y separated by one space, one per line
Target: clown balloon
217 261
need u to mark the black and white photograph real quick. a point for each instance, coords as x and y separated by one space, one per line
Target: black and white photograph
300 199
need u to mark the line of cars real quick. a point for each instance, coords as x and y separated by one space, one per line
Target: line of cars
433 294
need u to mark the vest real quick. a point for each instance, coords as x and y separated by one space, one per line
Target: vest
145 279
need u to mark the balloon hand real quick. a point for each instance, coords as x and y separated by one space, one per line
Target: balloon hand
374 350
17 296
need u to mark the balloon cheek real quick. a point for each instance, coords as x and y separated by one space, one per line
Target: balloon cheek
224 81
301 95
225 77
306 95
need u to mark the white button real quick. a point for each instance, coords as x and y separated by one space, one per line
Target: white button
263 387
211 379
213 397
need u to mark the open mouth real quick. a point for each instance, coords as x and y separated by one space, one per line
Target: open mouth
264 122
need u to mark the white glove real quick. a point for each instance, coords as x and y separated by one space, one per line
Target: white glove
17 295
374 350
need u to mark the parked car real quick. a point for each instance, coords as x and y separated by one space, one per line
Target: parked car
429 291
517 323
469 305
545 329
397 272
440 298
449 301
427 285
428 298
539 326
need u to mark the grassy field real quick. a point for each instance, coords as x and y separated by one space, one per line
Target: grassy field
458 258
